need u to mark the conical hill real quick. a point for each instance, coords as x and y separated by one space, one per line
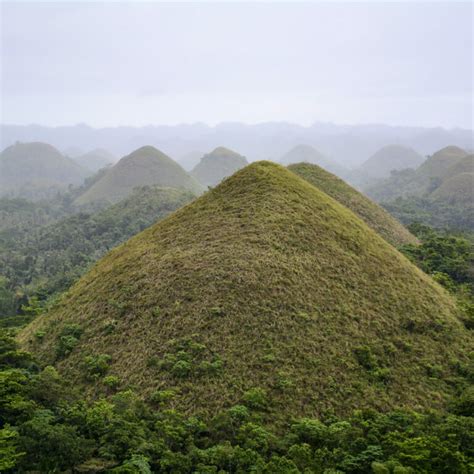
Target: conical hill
145 166
371 213
264 289
217 165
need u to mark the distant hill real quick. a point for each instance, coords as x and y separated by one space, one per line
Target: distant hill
422 181
463 165
96 159
145 166
391 157
308 154
437 165
217 165
350 145
372 214
264 289
439 193
456 190
37 170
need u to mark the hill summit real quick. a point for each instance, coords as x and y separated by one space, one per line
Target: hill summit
264 289
144 167
391 157
37 170
217 165
371 213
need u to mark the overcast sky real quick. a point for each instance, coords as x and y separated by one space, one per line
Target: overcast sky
134 63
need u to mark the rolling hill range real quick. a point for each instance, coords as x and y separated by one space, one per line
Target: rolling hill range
37 170
145 166
265 283
308 154
371 213
217 165
391 157
439 193
96 159
425 179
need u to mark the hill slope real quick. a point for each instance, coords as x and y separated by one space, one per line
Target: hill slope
37 170
372 214
438 164
217 165
264 282
308 154
145 166
456 190
391 157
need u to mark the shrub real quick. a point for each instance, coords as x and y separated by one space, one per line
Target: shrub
97 365
256 398
181 368
68 340
111 381
40 335
382 375
162 396
365 357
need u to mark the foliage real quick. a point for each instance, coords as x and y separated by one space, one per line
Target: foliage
39 261
122 434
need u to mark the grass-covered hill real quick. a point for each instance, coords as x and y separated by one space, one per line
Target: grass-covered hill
47 259
463 165
144 167
437 165
217 165
96 159
425 179
391 157
37 170
439 193
456 190
371 213
264 290
309 154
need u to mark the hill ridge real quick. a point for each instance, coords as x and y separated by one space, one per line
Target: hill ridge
371 213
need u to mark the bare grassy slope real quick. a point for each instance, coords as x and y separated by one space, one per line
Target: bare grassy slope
265 281
372 214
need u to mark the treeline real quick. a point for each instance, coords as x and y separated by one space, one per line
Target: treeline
47 427
38 260
437 214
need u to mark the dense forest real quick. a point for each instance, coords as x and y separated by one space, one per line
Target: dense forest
44 249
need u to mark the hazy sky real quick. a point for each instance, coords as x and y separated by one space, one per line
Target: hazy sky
156 63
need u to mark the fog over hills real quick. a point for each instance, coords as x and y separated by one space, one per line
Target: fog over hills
350 145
